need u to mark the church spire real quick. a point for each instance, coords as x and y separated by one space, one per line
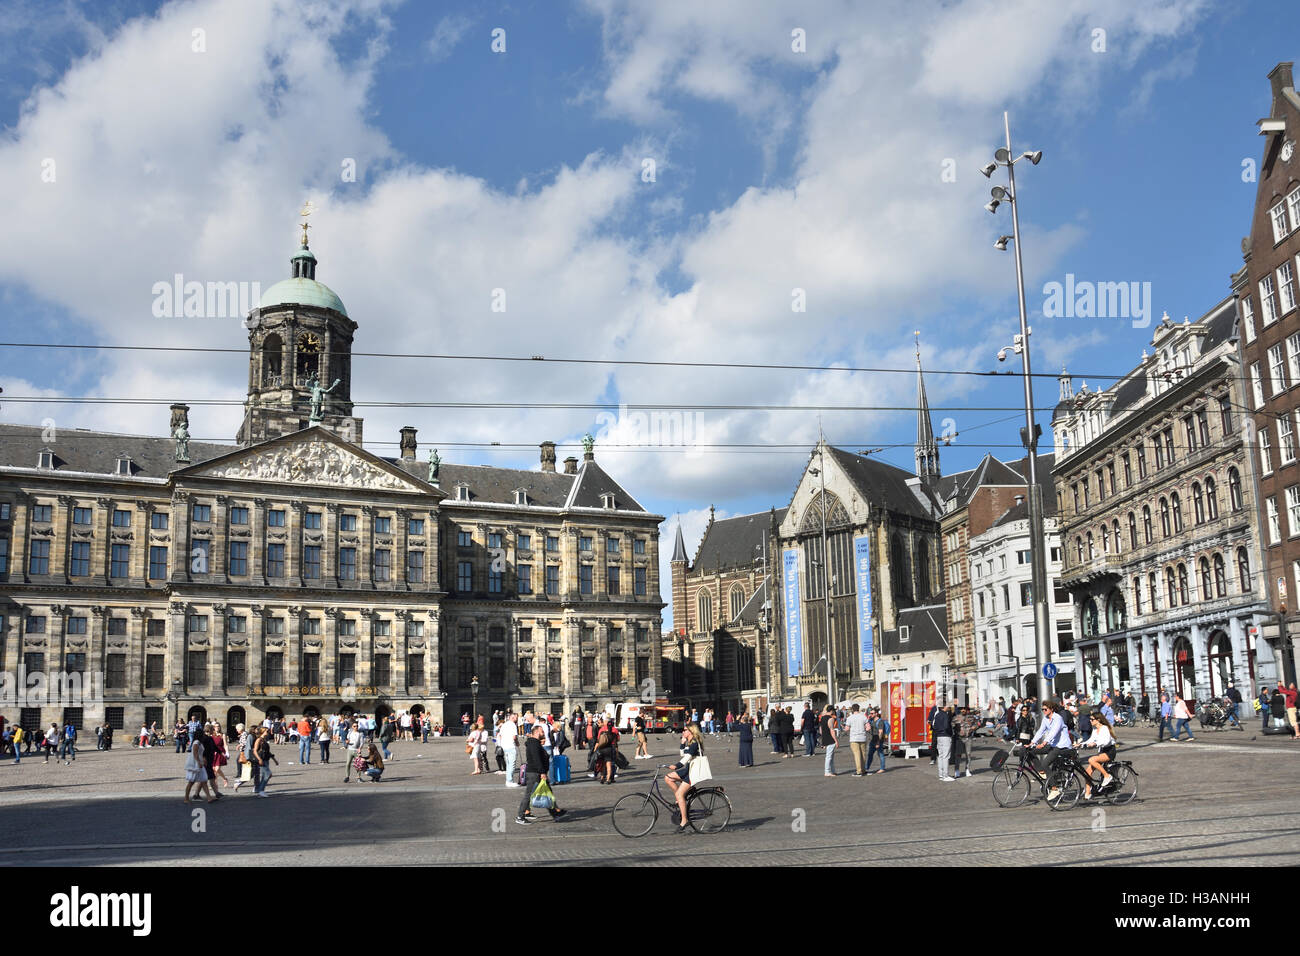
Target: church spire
679 546
927 451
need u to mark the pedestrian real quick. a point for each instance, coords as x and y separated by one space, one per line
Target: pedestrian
879 739
774 730
372 761
99 737
264 758
964 739
323 738
69 743
51 743
607 750
388 729
859 727
1233 698
941 729
934 746
144 736
1290 694
244 755
354 738
643 745
808 726
196 772
1182 717
830 733
1166 717
219 757
536 766
464 724
745 729
787 730
508 734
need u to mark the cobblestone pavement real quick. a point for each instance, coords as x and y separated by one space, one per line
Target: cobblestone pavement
1227 798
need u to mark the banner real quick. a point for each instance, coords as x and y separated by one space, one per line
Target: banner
793 616
866 629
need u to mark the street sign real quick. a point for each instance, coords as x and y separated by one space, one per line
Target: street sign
1049 670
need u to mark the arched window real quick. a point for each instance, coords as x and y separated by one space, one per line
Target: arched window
1116 616
1089 618
1243 571
1078 547
1105 539
1091 551
1220 660
1146 522
1153 591
704 604
1114 528
1207 586
1164 518
1182 584
1171 586
898 567
1220 577
922 570
1137 594
1132 530
736 598
1198 503
272 355
1178 511
1211 500
1234 489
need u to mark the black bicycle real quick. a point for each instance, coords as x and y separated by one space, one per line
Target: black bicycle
707 809
1062 786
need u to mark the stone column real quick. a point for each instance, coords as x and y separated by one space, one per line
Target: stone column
400 544
220 650
433 653
293 649
101 545
366 647
329 652
1200 661
218 562
175 668
180 538
61 547
604 633
1162 650
97 659
1240 660
293 553
257 645
400 618
18 542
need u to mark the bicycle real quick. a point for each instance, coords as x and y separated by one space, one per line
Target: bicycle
1061 788
1072 774
708 810
1011 787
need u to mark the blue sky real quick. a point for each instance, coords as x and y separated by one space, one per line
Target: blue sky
775 170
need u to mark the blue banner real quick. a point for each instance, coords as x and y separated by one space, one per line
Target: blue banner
793 616
866 628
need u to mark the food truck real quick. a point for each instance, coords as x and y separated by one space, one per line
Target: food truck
906 704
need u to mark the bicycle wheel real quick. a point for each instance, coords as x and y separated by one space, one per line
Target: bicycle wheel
1010 788
1125 788
635 815
708 811
1067 789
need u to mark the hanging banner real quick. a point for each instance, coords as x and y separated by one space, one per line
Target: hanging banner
793 617
866 628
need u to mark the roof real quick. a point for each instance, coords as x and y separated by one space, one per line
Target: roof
734 542
753 609
679 546
1018 512
884 485
927 630
488 483
80 450
992 472
302 291
592 484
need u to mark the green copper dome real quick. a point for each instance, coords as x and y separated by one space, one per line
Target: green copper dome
302 292
302 288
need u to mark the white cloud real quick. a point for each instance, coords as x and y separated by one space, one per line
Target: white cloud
449 31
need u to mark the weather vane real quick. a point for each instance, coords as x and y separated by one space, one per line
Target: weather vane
305 212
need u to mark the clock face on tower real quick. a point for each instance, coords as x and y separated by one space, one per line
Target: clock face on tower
1287 149
308 356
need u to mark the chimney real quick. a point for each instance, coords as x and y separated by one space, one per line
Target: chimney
180 416
408 443
570 465
548 456
1280 77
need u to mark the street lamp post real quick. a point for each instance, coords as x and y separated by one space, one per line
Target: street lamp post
473 692
1037 540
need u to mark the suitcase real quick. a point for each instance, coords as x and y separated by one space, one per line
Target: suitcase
560 772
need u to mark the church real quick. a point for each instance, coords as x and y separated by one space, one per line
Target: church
294 572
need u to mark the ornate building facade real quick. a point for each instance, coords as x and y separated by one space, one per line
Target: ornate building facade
295 572
1155 485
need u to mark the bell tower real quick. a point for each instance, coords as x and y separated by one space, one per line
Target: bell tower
299 356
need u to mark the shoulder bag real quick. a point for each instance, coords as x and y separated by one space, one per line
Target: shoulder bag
700 770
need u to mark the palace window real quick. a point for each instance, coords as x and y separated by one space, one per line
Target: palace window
275 560
120 555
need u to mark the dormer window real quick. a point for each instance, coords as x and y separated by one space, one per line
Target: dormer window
904 634
123 465
462 492
46 459
521 497
607 500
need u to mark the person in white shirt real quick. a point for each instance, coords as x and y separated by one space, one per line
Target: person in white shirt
1103 738
1053 738
508 738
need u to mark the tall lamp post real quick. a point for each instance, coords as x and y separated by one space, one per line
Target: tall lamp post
174 695
826 581
1029 435
473 695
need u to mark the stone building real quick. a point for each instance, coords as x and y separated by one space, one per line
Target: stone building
296 572
1267 298
1155 487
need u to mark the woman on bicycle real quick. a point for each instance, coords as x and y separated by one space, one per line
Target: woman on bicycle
679 775
1103 738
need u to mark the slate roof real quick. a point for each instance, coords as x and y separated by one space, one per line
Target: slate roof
733 542
1015 513
154 457
80 450
884 485
749 614
679 546
928 630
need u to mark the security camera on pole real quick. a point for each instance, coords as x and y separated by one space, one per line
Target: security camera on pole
1029 434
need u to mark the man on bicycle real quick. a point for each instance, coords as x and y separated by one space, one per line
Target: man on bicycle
1053 738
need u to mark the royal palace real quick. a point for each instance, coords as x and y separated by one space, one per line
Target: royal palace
294 571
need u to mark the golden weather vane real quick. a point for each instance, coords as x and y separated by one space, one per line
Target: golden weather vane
305 212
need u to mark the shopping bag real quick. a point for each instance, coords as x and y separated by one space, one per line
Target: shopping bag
245 772
543 798
700 770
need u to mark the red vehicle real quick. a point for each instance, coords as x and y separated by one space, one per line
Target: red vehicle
906 703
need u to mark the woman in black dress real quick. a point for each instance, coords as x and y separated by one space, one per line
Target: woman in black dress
746 739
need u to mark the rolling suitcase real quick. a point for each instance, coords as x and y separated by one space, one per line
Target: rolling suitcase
559 769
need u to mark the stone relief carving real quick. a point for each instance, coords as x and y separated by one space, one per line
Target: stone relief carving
238 642
115 645
315 462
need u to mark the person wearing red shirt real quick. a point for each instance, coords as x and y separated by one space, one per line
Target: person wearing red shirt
304 740
1289 693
